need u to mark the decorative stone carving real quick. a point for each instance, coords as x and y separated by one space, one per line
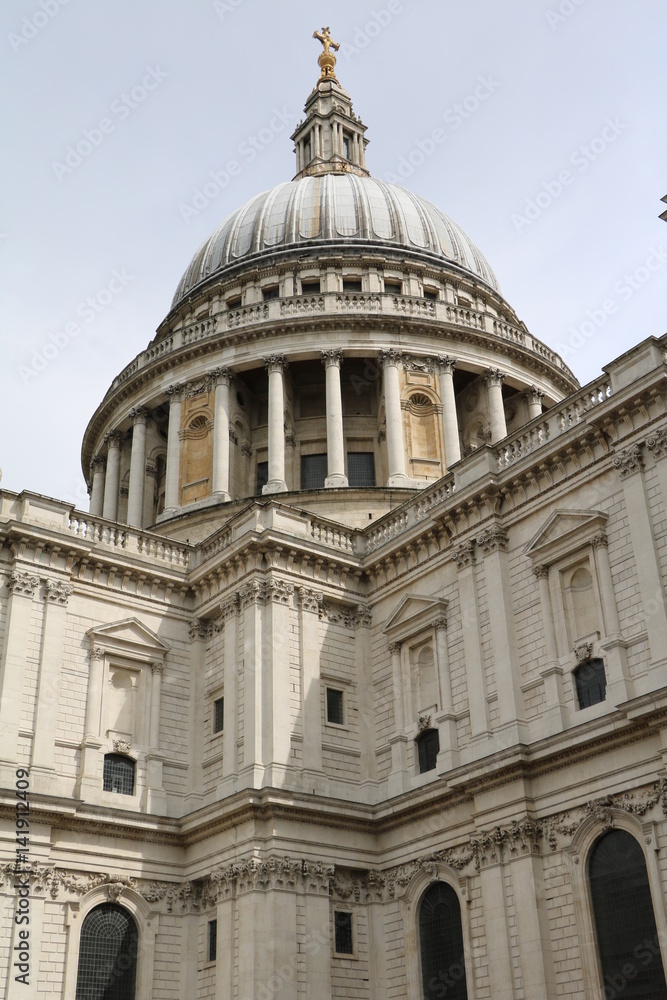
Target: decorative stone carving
583 651
246 450
415 364
334 357
112 439
199 628
57 592
629 461
541 572
138 415
440 624
275 363
349 617
494 376
221 375
121 746
423 724
446 364
600 540
534 395
98 464
464 554
561 828
22 583
390 358
175 391
230 607
278 591
493 539
656 442
157 667
96 653
310 600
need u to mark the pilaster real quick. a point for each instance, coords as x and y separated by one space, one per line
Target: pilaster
22 586
464 557
56 596
172 476
310 603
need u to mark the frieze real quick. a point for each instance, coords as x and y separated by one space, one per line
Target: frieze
560 829
346 615
272 873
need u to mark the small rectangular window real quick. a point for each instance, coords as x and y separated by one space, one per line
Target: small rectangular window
335 706
234 303
270 292
351 285
360 468
218 715
310 287
346 146
343 940
313 472
590 682
212 941
262 475
430 293
428 747
393 287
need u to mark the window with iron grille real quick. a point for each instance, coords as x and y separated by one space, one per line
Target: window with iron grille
428 745
218 715
313 471
590 682
624 918
361 468
335 706
212 941
108 949
343 940
118 774
441 944
262 475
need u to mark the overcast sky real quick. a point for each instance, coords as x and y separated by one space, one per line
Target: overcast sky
551 154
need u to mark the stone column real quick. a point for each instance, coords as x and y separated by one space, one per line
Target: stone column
496 925
555 716
310 603
89 781
464 557
135 502
532 920
332 361
390 361
97 467
534 397
251 771
173 472
450 423
222 379
57 594
275 366
21 587
448 757
156 694
112 481
276 742
494 382
398 777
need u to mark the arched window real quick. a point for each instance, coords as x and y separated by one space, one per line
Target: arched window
107 955
590 682
118 775
428 745
441 944
627 937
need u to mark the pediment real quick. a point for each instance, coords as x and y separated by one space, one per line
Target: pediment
128 637
413 613
565 529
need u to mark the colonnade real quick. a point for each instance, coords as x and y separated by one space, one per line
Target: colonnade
106 475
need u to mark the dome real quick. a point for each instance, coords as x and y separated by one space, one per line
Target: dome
344 208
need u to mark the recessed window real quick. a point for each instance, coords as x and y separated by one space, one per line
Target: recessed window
430 293
428 745
310 287
262 475
313 471
361 468
351 285
335 706
392 287
108 949
346 146
212 941
270 292
218 715
343 939
234 303
118 774
590 682
441 944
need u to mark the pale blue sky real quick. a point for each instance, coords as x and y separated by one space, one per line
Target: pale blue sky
552 102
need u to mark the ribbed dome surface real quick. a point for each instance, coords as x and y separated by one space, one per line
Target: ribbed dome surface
334 208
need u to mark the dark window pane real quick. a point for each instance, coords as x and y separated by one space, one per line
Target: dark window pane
361 468
350 285
270 293
335 706
107 955
218 715
212 943
343 933
441 944
310 287
118 775
624 919
262 475
428 746
590 682
313 471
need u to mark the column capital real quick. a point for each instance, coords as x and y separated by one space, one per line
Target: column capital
600 540
534 395
657 442
97 464
440 624
334 357
22 583
139 415
96 653
112 439
445 364
494 376
629 461
57 592
157 667
390 358
395 647
464 554
493 539
310 600
175 392
221 376
275 363
541 571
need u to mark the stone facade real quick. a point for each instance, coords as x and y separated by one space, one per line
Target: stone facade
268 665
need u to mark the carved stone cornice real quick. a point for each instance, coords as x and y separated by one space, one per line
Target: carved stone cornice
464 554
22 584
275 363
656 442
445 364
333 357
57 592
493 539
270 874
629 461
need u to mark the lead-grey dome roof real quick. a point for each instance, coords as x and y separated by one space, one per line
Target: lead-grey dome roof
335 208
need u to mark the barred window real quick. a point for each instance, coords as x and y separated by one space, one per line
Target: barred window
625 926
361 468
335 706
118 774
218 715
590 682
107 955
441 944
428 745
262 475
212 941
343 940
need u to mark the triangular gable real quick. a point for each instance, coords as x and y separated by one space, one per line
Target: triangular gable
563 530
129 637
413 613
